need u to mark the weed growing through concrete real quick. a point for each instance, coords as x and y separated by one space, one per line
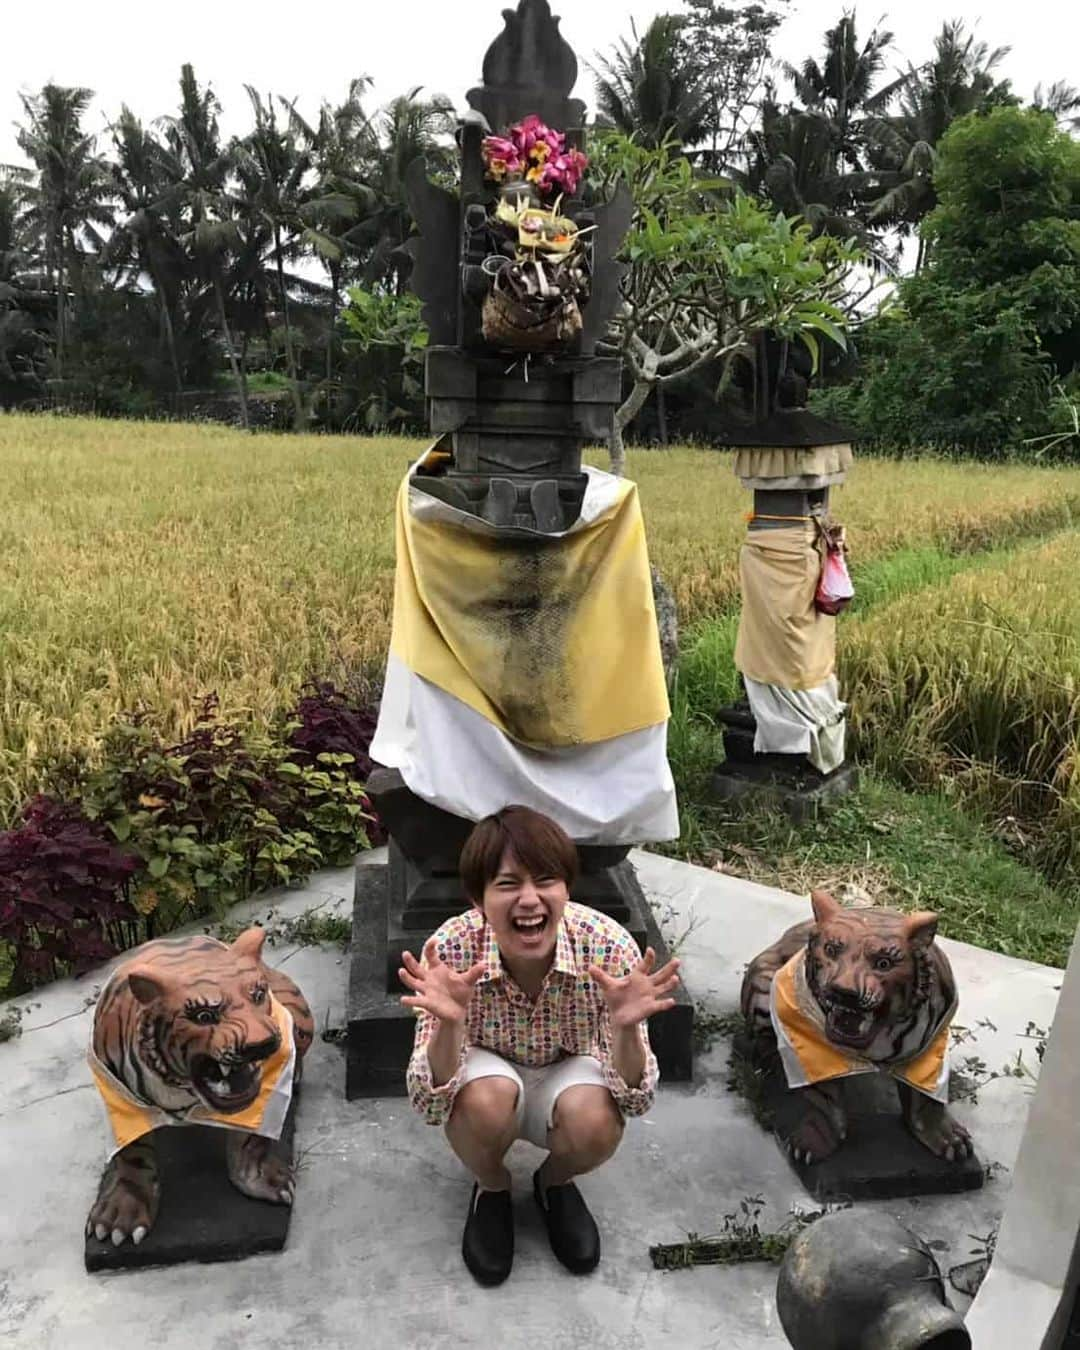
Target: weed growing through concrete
11 1023
309 929
740 1239
709 1025
967 1276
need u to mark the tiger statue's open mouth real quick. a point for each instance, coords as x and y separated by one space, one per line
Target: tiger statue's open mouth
226 1086
850 1025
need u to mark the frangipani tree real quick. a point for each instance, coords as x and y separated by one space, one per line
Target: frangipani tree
707 266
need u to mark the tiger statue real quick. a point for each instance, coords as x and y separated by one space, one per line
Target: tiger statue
854 991
190 1030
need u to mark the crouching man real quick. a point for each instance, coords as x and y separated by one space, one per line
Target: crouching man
531 1025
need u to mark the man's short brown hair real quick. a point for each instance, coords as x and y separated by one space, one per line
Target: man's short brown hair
541 847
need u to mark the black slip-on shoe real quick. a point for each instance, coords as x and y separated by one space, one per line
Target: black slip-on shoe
487 1244
572 1230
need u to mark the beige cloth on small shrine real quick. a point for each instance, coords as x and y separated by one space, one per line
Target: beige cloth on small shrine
792 461
783 639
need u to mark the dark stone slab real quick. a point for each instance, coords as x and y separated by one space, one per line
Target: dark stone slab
785 780
380 1030
879 1159
434 252
203 1217
612 221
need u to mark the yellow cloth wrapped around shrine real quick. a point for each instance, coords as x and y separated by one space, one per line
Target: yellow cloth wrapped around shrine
552 638
783 639
809 1057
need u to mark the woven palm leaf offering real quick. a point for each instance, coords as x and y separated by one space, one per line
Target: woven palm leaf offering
539 264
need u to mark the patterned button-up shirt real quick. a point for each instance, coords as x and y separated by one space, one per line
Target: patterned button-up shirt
568 1017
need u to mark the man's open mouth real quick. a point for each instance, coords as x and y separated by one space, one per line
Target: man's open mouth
225 1087
530 928
852 1027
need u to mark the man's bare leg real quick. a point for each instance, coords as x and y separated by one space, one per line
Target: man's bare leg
481 1128
587 1128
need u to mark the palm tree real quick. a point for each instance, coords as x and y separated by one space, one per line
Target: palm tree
338 200
793 162
272 163
146 240
903 146
811 160
199 172
406 129
648 89
19 343
1061 99
69 200
841 89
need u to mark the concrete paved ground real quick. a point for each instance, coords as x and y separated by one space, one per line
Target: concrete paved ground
373 1256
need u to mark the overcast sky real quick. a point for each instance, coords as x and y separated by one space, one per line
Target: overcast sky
128 51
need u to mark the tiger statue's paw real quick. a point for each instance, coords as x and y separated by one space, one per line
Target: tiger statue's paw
815 1127
257 1172
935 1128
127 1201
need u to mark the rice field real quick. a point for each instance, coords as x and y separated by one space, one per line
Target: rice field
976 682
145 563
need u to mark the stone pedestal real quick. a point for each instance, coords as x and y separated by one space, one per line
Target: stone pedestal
789 781
879 1159
515 428
202 1216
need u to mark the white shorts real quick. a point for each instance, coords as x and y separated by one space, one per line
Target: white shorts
538 1088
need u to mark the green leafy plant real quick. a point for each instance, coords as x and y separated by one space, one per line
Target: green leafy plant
224 812
388 331
707 266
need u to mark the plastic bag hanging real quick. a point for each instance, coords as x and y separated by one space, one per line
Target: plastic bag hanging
835 590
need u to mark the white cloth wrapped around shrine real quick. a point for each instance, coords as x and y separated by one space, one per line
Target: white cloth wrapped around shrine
808 722
618 791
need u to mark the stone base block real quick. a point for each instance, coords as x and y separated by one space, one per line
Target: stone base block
203 1217
798 791
879 1159
380 1030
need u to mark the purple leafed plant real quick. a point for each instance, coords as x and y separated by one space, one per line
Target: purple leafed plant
331 724
63 893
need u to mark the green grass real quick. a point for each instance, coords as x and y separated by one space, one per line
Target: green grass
913 848
267 382
904 849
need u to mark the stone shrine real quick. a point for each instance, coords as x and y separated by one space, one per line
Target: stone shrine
787 733
512 557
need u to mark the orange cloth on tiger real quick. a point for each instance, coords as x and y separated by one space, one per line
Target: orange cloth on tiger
131 1118
808 1057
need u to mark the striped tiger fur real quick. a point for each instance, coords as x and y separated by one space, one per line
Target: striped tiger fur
184 1022
884 987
